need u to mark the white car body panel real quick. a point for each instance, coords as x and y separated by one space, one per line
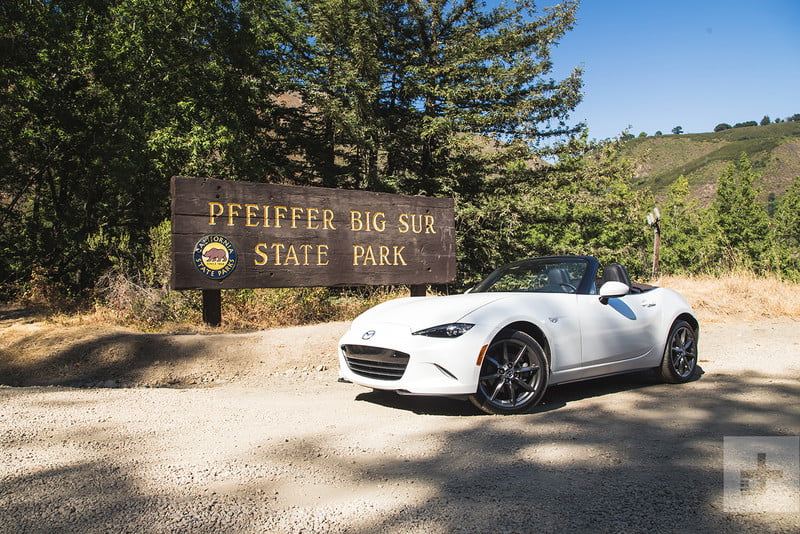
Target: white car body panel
582 336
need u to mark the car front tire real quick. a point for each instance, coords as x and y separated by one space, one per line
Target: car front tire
513 376
679 362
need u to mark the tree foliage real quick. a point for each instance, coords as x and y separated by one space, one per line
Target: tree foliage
741 218
787 231
103 101
689 236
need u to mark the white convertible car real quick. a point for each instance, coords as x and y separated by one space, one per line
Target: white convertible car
530 324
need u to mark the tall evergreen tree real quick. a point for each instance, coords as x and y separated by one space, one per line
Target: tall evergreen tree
103 101
410 85
689 238
741 218
787 231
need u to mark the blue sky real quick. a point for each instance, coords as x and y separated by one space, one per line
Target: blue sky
655 65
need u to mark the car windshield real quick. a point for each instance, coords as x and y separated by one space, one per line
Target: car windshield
543 275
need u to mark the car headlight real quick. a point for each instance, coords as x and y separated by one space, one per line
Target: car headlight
445 330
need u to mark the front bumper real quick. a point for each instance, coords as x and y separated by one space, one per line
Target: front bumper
394 359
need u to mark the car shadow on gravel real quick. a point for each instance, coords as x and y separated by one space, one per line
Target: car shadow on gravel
650 460
421 405
555 397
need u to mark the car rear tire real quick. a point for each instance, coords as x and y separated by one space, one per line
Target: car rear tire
513 376
679 362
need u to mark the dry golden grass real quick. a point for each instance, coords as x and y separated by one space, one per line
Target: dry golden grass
731 297
737 296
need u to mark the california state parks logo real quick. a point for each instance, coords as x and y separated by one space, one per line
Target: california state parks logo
215 256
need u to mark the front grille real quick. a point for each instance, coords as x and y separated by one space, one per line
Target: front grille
375 362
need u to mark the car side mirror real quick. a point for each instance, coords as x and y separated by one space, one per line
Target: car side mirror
612 290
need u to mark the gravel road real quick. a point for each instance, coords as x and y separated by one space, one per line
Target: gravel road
256 435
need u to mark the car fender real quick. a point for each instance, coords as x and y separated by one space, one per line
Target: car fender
553 315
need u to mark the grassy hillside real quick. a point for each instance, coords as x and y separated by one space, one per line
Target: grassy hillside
774 150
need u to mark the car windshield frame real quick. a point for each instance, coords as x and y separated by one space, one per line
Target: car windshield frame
543 275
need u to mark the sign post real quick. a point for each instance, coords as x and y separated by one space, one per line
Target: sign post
228 234
654 220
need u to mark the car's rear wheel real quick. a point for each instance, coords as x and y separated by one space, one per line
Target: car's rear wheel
513 375
679 362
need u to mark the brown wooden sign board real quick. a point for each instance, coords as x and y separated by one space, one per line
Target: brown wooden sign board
228 234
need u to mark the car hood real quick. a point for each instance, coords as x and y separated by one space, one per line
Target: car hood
418 313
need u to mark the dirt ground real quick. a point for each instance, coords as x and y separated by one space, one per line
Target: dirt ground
109 430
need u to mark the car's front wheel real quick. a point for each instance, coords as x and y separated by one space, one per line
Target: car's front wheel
513 376
679 361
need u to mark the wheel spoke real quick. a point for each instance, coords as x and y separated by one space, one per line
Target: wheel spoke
512 393
528 369
518 358
485 378
500 384
524 385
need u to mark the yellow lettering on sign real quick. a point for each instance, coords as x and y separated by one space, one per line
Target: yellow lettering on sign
215 209
280 213
296 214
415 223
398 256
312 216
266 215
305 248
262 254
272 216
232 212
365 255
249 213
403 220
429 225
358 253
327 220
277 247
367 221
293 254
322 254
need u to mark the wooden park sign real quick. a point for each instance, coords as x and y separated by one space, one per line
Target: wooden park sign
228 234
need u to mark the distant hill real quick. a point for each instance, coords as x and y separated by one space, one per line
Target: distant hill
774 150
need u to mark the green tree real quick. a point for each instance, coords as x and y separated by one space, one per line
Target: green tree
741 218
439 97
416 86
104 101
787 231
585 204
722 126
677 130
688 237
765 120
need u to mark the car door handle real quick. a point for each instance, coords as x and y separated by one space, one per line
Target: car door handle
648 304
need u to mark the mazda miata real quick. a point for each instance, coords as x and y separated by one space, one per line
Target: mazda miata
529 325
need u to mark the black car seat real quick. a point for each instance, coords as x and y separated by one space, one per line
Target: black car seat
558 278
616 273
